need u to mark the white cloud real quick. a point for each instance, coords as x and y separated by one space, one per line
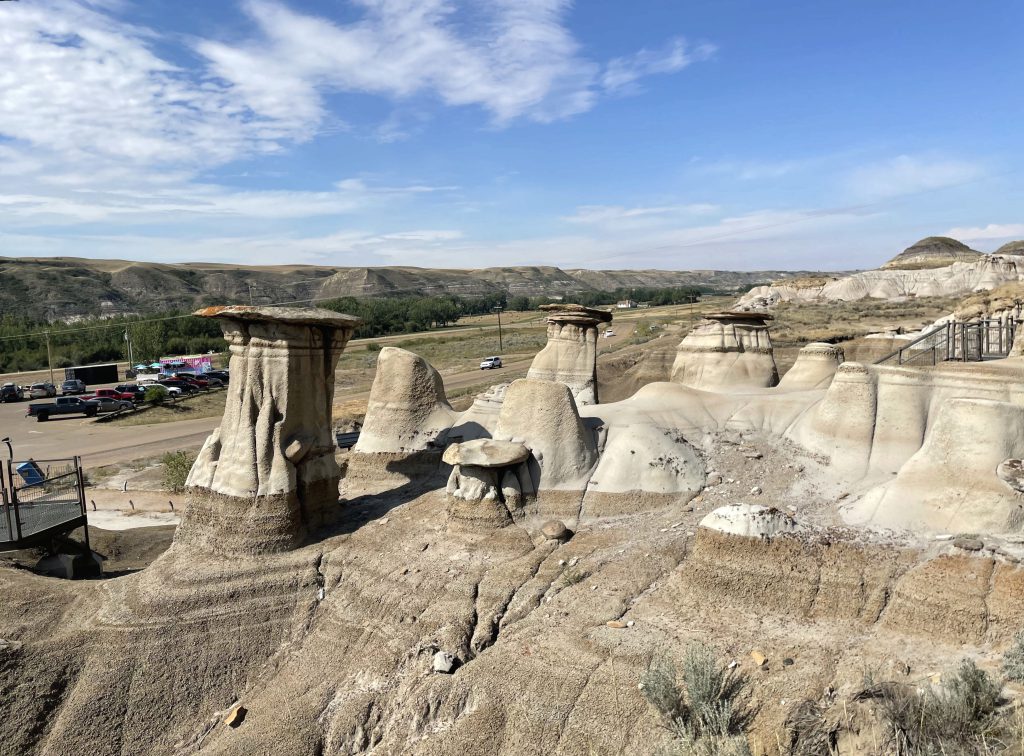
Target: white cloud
619 216
910 174
184 202
621 74
985 233
513 58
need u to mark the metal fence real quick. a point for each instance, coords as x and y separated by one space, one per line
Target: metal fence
40 498
973 341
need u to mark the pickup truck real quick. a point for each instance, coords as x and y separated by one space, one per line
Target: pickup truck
64 405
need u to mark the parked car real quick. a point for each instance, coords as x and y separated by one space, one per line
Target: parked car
200 384
222 375
112 393
42 391
205 380
73 387
65 405
183 387
110 404
132 391
11 392
491 363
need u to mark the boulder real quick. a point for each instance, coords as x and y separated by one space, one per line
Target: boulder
407 409
749 520
542 415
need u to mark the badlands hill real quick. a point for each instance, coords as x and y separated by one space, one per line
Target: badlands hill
62 287
932 252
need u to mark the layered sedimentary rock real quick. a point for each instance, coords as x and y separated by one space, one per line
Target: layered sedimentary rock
749 521
480 420
727 350
570 356
986 272
267 476
815 367
407 409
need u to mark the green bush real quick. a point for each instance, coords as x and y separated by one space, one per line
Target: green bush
706 715
155 394
176 468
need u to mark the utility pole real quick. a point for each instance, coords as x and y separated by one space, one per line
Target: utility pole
250 293
498 310
49 356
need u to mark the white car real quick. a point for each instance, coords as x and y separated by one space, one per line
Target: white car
609 333
491 363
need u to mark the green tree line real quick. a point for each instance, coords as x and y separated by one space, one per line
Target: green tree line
23 345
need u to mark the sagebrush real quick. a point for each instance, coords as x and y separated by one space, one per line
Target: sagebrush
176 466
706 714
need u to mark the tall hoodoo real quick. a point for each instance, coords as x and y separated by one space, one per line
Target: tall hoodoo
570 356
267 476
727 350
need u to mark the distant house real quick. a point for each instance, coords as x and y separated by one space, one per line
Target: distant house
626 304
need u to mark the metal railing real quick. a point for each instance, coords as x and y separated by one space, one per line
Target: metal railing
40 498
972 341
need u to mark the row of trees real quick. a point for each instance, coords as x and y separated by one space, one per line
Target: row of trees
23 341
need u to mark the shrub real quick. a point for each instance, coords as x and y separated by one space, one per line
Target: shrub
176 468
155 394
958 717
706 715
1013 660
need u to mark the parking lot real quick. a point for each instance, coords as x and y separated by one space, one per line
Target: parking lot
96 443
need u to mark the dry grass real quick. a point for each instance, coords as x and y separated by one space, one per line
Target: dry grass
800 323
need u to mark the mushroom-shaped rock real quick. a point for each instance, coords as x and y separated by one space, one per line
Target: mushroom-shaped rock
267 475
570 356
815 367
727 350
407 409
486 452
749 520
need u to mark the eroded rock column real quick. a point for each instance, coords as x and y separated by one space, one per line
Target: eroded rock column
727 350
570 356
267 476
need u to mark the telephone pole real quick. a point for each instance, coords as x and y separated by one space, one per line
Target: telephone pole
498 310
49 356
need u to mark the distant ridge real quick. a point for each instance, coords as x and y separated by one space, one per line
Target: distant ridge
932 252
61 288
1011 248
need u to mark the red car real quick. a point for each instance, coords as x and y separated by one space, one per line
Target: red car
108 393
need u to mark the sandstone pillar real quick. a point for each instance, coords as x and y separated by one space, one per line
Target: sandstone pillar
727 350
570 356
267 476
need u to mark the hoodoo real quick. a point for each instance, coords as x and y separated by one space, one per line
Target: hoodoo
727 350
267 476
570 356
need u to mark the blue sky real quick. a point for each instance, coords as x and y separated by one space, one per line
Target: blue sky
736 134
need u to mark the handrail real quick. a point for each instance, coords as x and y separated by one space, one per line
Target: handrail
918 340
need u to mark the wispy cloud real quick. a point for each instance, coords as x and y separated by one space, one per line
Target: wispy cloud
910 174
991 231
621 75
621 217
